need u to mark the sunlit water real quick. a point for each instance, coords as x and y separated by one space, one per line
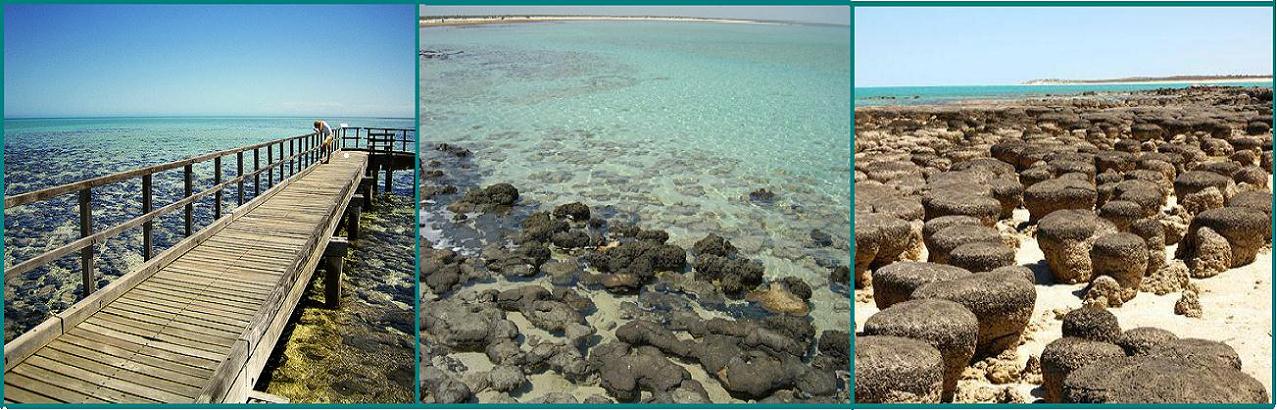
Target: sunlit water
673 122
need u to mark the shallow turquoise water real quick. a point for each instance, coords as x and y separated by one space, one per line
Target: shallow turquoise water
673 122
40 153
866 96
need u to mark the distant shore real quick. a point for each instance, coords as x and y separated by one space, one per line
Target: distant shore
1157 80
438 21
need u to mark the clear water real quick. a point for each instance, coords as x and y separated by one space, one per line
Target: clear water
672 122
866 96
41 153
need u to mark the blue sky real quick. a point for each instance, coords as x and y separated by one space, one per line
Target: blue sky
305 60
978 46
840 15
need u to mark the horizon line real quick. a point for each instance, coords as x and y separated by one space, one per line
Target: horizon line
1151 80
421 19
115 116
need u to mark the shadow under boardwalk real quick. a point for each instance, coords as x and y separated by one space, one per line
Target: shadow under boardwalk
200 328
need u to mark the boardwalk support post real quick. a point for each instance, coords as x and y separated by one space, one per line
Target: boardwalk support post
365 186
389 173
334 261
352 217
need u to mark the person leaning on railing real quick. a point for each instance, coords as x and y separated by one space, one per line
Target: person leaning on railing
321 128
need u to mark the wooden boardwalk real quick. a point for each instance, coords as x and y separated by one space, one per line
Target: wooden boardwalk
198 322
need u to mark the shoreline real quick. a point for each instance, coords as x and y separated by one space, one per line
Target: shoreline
1157 81
890 103
446 21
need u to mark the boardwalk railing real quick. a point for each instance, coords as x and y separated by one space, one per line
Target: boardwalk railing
389 149
284 158
384 140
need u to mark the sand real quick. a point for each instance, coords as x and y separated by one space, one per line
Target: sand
1236 310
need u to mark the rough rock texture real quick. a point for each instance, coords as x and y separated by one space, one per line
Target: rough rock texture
946 325
1201 351
982 257
1145 379
1002 303
494 197
893 369
1188 304
1093 324
1052 195
1066 237
1223 238
895 283
944 241
1142 340
1122 256
1068 354
880 239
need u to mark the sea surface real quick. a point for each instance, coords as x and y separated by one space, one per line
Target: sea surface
868 96
41 153
670 124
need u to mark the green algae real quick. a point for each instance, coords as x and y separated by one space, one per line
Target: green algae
363 351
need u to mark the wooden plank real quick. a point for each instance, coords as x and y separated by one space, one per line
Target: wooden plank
204 290
151 379
203 337
15 394
198 316
57 392
212 286
162 345
80 346
141 348
104 380
149 290
185 318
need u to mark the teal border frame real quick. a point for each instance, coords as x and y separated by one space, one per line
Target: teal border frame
1058 3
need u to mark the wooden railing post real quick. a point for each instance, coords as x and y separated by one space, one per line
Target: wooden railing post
86 254
187 187
257 176
217 196
270 173
239 173
147 227
292 152
281 166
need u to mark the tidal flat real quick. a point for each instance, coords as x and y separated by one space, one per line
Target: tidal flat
635 212
1100 247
